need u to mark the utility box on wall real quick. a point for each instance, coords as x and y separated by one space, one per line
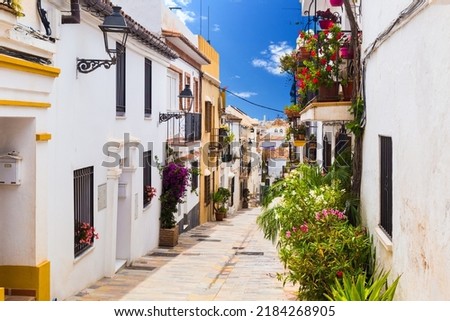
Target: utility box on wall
10 169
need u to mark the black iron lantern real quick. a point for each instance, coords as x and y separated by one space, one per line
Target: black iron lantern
186 105
113 24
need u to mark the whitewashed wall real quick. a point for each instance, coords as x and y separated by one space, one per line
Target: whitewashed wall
84 120
407 83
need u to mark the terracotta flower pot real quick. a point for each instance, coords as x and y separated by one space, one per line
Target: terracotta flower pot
347 91
329 93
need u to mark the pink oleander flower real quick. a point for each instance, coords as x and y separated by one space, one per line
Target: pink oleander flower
288 234
304 228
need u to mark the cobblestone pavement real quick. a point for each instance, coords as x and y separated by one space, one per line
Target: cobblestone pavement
217 261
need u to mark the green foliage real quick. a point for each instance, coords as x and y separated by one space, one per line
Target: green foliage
321 249
357 110
358 288
291 201
220 197
288 63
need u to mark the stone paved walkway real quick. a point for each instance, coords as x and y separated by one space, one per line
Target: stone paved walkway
222 261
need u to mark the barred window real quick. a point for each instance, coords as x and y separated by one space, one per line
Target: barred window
148 88
207 189
386 184
147 179
120 81
83 189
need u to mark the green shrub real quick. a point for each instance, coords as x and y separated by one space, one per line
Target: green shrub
297 198
351 288
320 249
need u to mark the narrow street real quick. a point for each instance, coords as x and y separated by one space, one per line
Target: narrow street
217 261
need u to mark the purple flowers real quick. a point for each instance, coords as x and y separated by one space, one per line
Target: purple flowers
175 180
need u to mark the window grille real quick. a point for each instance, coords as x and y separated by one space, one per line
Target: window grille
120 81
386 184
83 188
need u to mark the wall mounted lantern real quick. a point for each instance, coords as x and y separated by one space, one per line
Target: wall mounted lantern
186 105
113 24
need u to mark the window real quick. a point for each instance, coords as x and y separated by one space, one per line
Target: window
120 81
83 197
147 179
148 88
207 189
196 95
194 176
193 127
386 184
232 192
172 91
208 114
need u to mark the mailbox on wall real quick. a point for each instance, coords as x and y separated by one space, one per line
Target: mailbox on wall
10 169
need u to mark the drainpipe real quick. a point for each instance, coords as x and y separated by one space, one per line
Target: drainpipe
74 16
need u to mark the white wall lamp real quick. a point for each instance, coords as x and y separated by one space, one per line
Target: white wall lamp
113 24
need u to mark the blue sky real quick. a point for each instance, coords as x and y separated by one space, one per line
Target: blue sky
250 36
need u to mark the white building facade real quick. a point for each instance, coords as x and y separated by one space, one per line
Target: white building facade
87 142
405 180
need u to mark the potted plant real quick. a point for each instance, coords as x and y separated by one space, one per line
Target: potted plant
322 72
300 132
304 41
175 180
326 18
292 111
149 193
220 198
226 137
85 233
346 80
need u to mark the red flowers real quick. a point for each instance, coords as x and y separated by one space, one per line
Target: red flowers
85 234
339 274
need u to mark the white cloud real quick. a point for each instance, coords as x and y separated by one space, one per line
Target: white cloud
216 27
246 94
184 15
271 57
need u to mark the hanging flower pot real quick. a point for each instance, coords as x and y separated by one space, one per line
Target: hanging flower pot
336 3
326 24
303 53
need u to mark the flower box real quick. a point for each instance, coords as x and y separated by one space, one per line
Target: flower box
168 236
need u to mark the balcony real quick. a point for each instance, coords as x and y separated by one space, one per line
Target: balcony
185 130
327 111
